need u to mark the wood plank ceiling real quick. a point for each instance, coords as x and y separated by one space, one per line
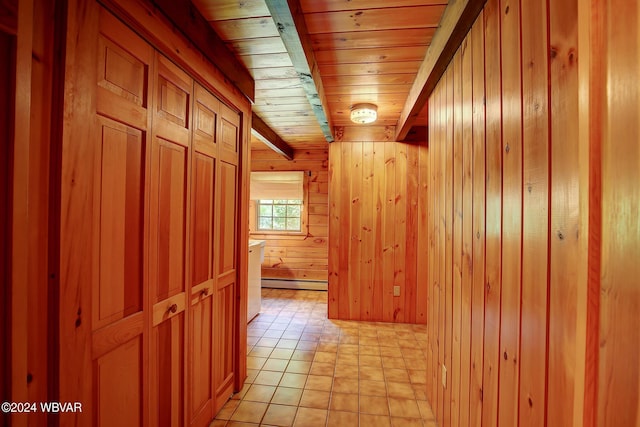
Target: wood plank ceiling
366 51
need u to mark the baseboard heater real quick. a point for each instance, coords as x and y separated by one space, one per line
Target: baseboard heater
312 285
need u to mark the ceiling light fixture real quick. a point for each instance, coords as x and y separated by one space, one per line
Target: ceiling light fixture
364 113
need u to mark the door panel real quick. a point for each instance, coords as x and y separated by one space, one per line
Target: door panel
169 187
119 282
118 385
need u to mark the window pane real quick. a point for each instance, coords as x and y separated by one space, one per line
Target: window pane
266 210
293 210
279 210
266 223
280 202
279 223
293 224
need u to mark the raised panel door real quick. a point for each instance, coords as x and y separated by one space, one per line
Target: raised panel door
119 281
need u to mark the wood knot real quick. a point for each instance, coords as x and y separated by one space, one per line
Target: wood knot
530 402
505 355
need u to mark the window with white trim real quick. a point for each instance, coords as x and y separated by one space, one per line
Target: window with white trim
279 200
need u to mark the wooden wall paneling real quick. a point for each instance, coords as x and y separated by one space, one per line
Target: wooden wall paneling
467 229
335 214
7 73
440 229
535 214
412 287
565 213
430 205
448 215
388 258
619 357
423 237
493 213
345 238
367 232
354 282
456 230
169 252
202 278
512 212
478 261
400 238
20 54
377 294
76 211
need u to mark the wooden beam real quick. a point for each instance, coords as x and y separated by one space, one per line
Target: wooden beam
186 17
267 135
289 20
456 22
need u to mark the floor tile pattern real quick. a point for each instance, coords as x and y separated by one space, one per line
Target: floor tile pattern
306 370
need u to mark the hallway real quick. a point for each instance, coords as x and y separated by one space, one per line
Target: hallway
306 370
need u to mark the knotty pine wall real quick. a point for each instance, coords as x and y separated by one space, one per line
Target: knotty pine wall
377 220
507 269
298 257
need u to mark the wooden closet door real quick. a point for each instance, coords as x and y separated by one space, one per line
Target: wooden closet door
226 273
120 175
168 221
201 351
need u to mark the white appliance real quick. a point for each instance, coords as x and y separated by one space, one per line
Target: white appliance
256 257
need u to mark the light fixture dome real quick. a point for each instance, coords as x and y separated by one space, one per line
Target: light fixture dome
364 113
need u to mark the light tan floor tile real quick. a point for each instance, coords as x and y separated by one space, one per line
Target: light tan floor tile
241 424
287 396
347 359
345 385
250 412
228 409
279 415
418 376
348 348
315 399
393 362
407 408
268 378
374 420
223 423
416 363
370 350
310 417
282 353
325 357
327 347
369 360
307 345
259 393
342 419
406 422
319 382
344 402
372 388
255 362
425 410
346 371
371 373
293 380
396 375
272 333
318 368
375 405
401 390
267 342
305 355
285 343
298 367
240 395
278 365
260 351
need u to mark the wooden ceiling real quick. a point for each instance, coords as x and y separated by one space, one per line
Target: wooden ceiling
360 51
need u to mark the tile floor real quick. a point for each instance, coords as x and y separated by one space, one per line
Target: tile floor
306 370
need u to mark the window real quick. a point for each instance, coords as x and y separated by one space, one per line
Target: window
278 201
279 215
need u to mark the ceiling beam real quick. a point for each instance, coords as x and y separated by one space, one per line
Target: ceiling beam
289 20
265 134
186 17
456 22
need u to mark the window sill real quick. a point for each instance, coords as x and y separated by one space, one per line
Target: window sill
296 235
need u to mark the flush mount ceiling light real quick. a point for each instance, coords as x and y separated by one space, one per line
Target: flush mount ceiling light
364 113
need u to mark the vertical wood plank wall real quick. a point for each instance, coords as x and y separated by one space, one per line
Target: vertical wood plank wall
504 221
615 26
298 257
375 230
